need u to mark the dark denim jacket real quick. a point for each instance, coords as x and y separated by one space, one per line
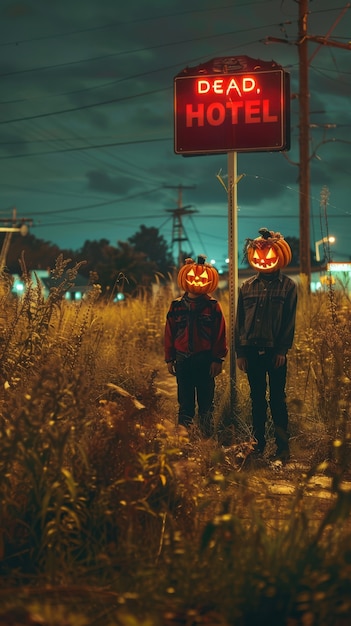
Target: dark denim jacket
266 314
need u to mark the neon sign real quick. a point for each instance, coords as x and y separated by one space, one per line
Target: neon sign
220 86
253 112
241 111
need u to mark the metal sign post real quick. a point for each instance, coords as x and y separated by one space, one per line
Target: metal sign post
233 269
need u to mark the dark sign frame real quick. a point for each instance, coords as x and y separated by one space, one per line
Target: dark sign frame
231 104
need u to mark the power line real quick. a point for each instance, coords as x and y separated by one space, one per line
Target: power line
216 9
43 68
95 147
87 106
126 218
304 125
103 146
100 204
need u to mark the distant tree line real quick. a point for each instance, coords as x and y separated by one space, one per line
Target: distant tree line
131 264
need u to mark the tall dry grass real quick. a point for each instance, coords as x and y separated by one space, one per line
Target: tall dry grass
110 514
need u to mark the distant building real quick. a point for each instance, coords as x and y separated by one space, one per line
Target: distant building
76 292
337 275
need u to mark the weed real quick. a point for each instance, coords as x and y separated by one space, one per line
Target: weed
112 514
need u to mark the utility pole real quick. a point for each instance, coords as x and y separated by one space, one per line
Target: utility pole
178 231
304 124
304 145
17 226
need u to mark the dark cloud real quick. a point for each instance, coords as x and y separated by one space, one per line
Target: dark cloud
89 86
16 10
103 182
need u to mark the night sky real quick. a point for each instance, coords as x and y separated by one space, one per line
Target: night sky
87 120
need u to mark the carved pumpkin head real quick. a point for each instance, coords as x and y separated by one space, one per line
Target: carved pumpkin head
198 278
269 252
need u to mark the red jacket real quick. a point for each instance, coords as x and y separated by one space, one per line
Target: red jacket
195 325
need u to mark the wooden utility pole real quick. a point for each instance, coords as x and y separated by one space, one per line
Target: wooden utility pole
304 124
304 145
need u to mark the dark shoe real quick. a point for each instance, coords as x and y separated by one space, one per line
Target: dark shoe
281 439
259 448
185 420
282 454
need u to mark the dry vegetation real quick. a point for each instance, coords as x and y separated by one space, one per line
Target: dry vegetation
112 515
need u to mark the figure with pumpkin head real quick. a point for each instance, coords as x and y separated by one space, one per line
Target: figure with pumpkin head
195 342
264 332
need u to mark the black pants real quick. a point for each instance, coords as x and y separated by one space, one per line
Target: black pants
195 385
263 376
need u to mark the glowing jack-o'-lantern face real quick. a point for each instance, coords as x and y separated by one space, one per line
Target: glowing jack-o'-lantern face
269 252
198 278
264 259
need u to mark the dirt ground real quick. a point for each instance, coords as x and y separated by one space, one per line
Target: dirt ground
312 466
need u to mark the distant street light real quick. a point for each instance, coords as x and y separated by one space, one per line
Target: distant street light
19 229
330 239
9 230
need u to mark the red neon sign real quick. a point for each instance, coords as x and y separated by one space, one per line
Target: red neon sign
242 111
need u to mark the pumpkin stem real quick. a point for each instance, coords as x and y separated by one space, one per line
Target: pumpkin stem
265 233
201 259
